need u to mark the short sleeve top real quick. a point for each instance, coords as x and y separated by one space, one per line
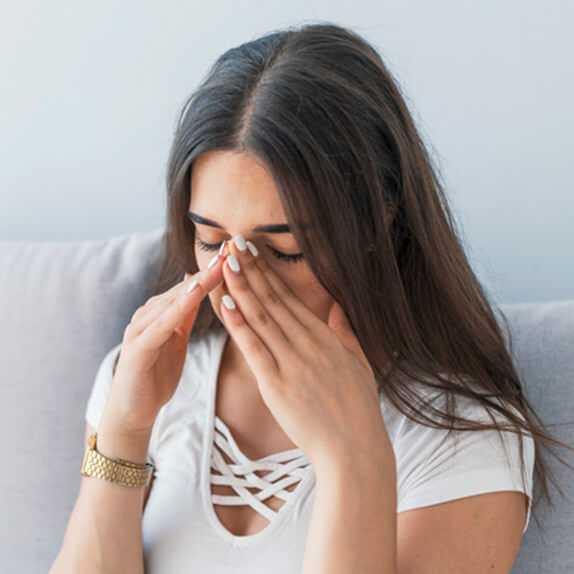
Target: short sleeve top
181 531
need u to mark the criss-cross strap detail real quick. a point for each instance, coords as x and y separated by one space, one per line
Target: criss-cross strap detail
240 473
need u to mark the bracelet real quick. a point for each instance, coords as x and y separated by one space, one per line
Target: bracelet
119 471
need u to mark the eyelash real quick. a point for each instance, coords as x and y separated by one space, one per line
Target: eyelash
277 254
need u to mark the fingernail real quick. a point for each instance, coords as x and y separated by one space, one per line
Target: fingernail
228 302
240 242
233 263
213 261
222 247
252 248
192 286
185 276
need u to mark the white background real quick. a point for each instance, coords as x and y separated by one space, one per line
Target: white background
90 92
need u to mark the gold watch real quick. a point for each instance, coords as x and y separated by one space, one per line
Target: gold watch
119 471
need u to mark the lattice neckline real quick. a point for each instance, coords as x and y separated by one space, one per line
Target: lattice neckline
217 438
287 467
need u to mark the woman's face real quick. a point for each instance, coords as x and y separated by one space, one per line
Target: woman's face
237 194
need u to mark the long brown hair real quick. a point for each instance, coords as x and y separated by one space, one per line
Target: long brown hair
317 105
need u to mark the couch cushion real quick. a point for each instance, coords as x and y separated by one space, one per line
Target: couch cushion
543 337
64 305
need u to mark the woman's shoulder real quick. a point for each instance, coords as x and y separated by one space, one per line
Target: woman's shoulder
433 401
435 465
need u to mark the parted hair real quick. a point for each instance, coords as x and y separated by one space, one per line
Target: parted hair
318 106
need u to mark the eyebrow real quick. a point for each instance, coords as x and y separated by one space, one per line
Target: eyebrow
271 228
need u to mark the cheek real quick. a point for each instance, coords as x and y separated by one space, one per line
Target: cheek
201 257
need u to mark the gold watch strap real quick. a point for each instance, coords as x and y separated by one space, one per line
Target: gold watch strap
119 471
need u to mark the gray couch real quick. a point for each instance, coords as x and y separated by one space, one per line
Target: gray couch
65 304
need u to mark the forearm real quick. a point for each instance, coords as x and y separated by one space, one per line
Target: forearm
353 523
104 531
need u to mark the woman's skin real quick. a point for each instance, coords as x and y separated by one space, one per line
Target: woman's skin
315 378
237 192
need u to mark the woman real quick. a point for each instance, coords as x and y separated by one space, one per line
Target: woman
329 390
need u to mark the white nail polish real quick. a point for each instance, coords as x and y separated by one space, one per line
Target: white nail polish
228 302
233 263
213 261
222 247
240 242
192 286
252 248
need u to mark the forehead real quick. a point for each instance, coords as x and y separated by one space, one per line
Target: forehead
224 182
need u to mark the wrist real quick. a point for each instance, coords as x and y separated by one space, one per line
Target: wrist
352 467
114 442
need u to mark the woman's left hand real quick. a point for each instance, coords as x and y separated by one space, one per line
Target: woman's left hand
313 377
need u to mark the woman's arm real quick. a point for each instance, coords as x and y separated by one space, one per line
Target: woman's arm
104 533
353 526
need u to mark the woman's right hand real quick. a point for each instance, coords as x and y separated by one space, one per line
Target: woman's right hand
153 352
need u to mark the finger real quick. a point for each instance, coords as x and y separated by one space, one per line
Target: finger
254 313
152 302
257 354
339 322
299 310
149 312
263 290
171 310
169 319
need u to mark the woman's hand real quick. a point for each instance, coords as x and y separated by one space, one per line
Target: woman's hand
153 351
313 377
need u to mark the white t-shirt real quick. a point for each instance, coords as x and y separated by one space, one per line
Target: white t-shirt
181 531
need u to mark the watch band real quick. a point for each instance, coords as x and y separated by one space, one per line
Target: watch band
119 471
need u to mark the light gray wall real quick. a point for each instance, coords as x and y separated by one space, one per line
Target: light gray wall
90 91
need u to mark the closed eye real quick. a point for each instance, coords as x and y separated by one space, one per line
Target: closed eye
294 258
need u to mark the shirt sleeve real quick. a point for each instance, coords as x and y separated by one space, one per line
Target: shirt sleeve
101 388
433 467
